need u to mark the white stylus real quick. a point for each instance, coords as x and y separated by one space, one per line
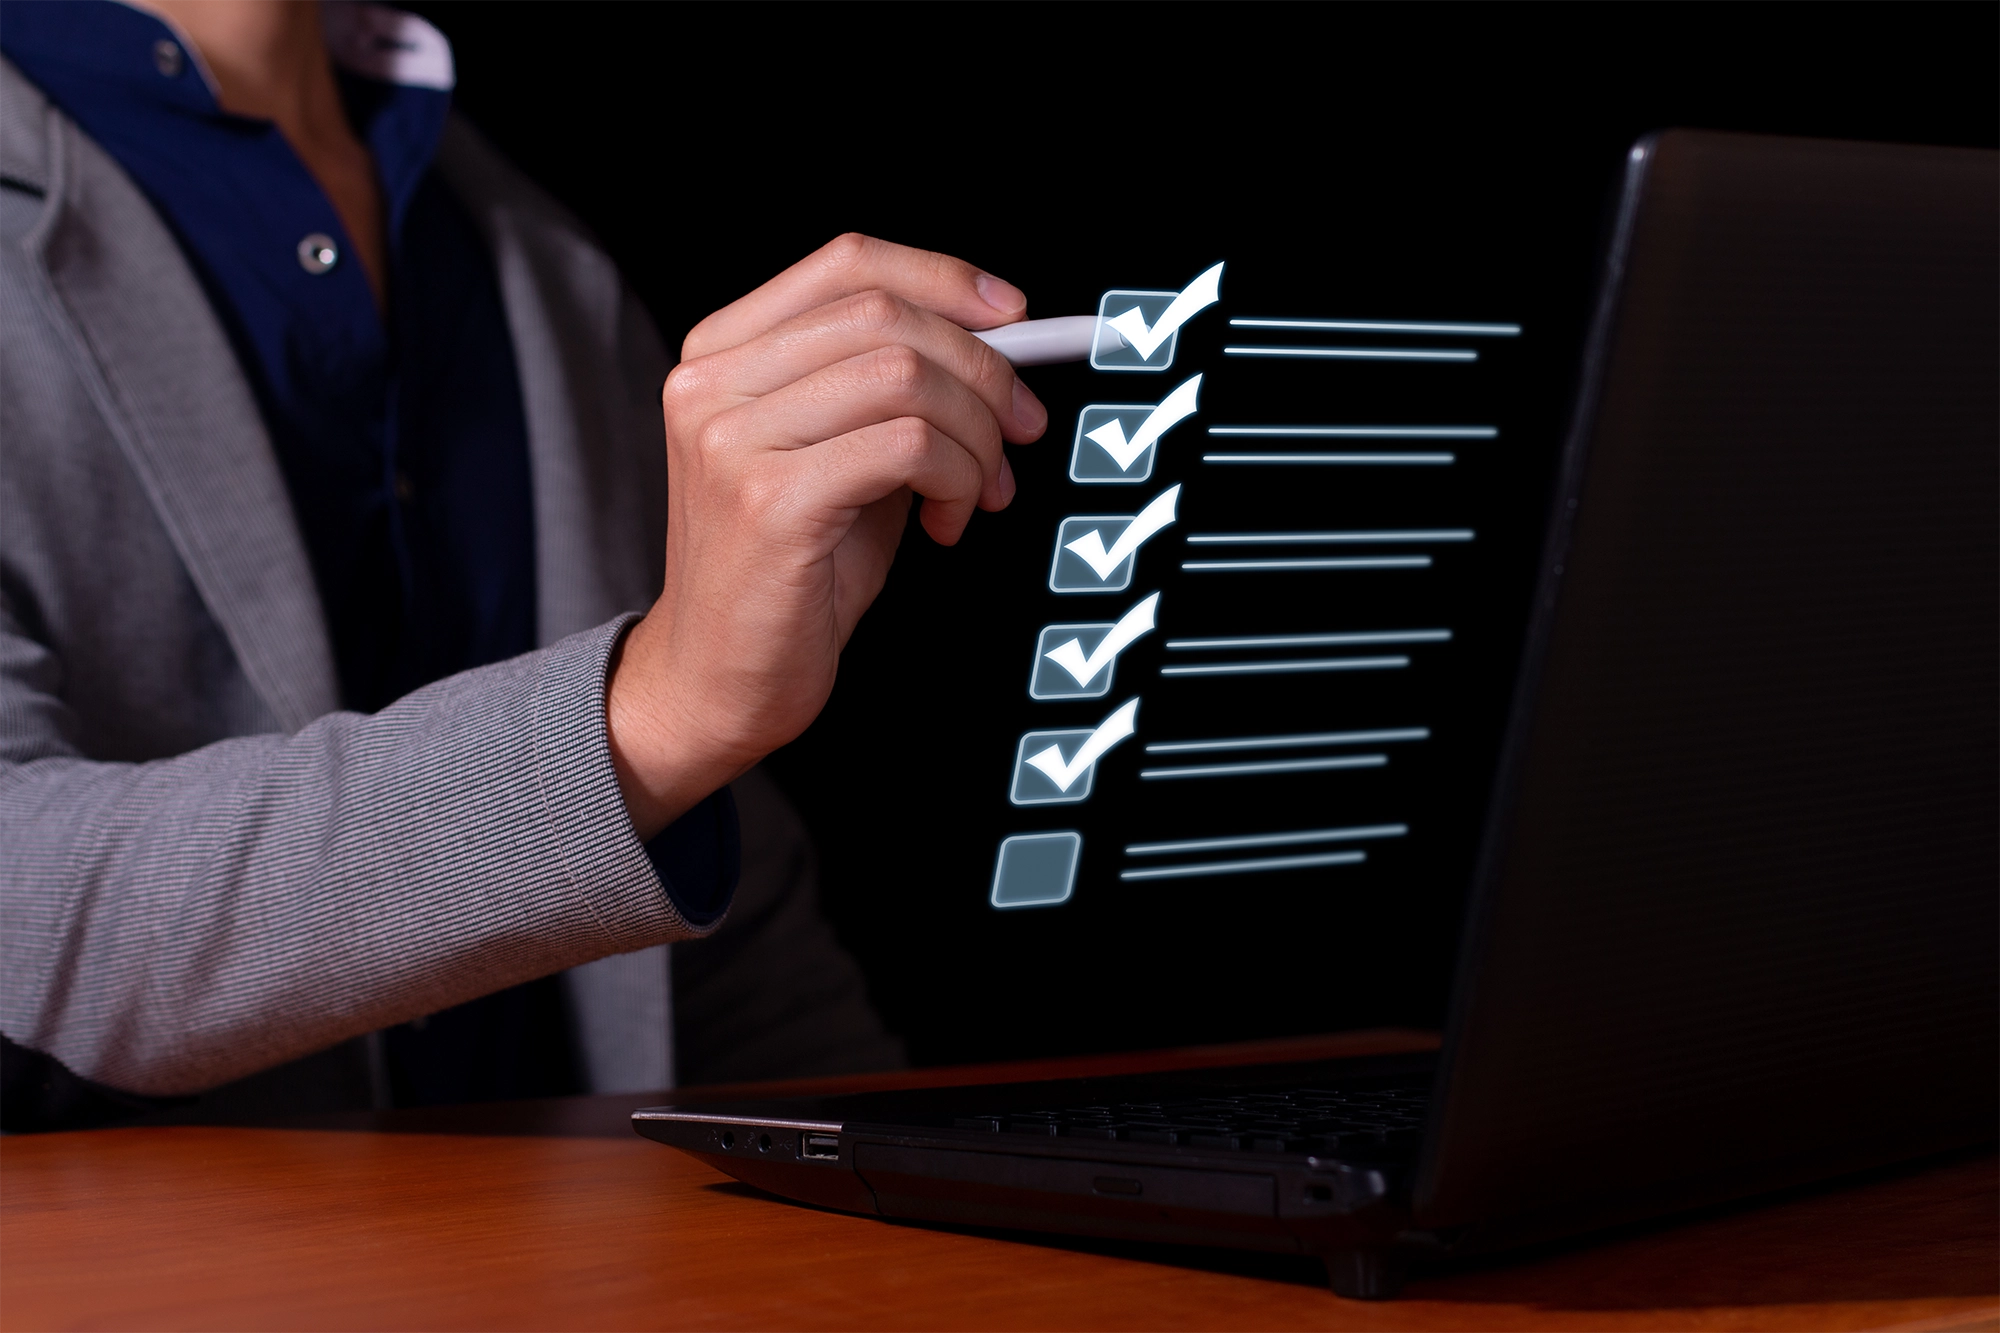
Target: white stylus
1046 342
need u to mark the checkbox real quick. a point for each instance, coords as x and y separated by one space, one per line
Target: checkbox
1078 661
1111 352
1141 330
1036 869
1059 767
1069 572
1092 464
1117 442
1095 552
1031 786
1051 681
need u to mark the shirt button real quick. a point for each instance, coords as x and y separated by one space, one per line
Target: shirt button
318 253
167 58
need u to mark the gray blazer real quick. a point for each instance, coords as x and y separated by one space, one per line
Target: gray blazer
206 869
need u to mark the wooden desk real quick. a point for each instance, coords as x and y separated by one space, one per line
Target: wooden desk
554 1215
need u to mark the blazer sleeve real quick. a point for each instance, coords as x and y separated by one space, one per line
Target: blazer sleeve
168 926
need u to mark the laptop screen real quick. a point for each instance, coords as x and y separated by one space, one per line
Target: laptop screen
1192 742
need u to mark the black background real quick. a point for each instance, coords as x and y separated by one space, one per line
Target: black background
1409 162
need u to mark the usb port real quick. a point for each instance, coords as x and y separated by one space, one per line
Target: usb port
820 1147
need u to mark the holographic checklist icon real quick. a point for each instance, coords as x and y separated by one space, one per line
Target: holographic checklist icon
1096 552
1078 661
1116 443
1036 869
1140 330
1060 767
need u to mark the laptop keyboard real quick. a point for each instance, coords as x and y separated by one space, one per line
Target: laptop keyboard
1310 1120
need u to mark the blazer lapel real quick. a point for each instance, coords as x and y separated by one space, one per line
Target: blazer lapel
168 382
594 436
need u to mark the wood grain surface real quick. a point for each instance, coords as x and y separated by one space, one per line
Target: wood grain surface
556 1216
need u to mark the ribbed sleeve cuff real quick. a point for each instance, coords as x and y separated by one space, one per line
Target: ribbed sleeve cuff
635 896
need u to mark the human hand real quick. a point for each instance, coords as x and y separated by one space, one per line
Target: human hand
799 423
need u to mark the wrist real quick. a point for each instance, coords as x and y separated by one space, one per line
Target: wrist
666 764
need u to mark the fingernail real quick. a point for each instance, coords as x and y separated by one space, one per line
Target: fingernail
1002 296
1028 409
1006 482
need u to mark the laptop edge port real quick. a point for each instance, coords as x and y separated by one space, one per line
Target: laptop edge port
820 1147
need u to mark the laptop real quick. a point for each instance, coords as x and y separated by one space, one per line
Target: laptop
1733 924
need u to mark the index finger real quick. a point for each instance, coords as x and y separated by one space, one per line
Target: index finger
851 264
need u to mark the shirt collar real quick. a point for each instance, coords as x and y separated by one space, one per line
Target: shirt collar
387 45
120 44
396 72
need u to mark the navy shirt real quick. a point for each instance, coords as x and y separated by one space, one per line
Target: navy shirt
401 438
400 433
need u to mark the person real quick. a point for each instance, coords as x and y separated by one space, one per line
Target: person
388 638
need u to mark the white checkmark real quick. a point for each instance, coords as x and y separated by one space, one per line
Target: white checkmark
1090 549
1198 295
1132 626
1109 732
1175 408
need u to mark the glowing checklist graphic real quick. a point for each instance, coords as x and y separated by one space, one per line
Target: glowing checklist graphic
1078 661
1147 325
1115 442
1085 563
1044 775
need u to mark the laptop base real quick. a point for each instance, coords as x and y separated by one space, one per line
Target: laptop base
1291 1159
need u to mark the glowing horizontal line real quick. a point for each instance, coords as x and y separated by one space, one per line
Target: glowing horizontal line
1313 640
1269 766
1361 353
1344 562
1330 458
1245 867
1290 742
1363 432
1382 326
1267 840
1289 668
1318 538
